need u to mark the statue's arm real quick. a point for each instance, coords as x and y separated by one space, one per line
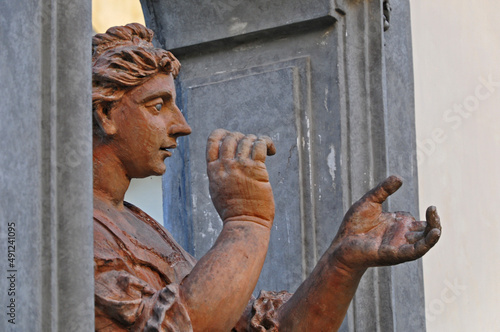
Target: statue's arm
218 289
367 237
322 300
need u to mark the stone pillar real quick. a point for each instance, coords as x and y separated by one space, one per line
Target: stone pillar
46 246
331 82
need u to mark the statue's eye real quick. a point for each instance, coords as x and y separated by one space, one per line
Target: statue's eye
158 106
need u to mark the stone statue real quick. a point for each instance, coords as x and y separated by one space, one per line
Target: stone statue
145 281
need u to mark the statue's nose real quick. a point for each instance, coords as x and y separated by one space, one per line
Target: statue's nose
179 127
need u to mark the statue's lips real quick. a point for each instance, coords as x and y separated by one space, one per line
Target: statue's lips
168 153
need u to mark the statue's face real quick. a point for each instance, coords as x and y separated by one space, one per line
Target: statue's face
147 123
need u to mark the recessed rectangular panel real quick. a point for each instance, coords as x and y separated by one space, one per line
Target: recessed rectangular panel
272 106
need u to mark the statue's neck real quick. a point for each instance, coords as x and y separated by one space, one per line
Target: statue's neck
110 179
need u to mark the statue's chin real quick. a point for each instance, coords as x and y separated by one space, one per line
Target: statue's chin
159 171
156 171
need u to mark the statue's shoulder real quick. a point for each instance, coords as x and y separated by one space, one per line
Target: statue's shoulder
179 254
146 218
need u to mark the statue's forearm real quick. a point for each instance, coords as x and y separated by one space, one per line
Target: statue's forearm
321 302
220 285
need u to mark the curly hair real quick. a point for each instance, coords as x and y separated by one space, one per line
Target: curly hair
123 58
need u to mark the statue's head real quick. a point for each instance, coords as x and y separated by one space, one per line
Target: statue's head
123 58
133 98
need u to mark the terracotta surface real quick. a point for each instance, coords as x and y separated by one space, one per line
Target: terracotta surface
145 281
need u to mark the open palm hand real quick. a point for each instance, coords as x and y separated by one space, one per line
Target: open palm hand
370 237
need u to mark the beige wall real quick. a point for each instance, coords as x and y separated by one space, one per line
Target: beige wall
456 52
109 13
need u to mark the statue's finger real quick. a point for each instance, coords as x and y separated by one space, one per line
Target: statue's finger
259 150
384 189
411 224
422 246
408 252
417 226
414 237
433 237
263 147
271 148
432 217
245 146
229 145
213 144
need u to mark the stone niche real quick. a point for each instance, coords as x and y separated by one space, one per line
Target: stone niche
331 83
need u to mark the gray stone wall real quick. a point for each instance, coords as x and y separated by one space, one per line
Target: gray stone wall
45 166
335 92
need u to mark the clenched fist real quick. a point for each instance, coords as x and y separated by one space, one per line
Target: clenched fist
239 183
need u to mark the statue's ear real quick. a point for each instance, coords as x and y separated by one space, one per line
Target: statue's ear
102 115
